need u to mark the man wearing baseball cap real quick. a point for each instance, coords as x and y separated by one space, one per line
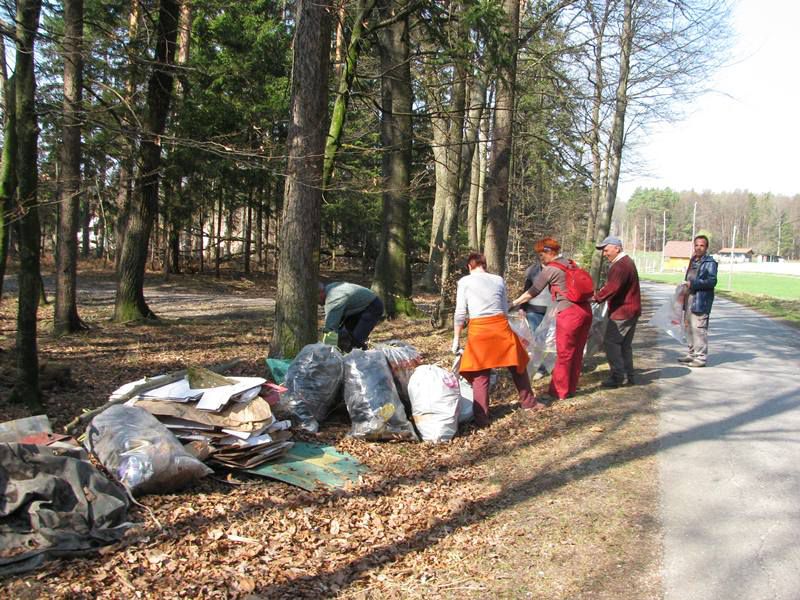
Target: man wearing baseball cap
622 293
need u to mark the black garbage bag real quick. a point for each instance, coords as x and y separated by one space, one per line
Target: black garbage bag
312 386
371 398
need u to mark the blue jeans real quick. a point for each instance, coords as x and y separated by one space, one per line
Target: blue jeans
534 319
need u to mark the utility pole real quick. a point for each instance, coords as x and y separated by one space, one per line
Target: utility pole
730 272
644 238
694 219
663 240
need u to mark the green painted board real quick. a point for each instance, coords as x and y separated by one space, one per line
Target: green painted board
310 466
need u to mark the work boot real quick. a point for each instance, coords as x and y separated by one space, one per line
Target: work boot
611 383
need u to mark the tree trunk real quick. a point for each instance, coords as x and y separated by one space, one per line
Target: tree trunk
346 75
392 280
469 157
26 388
456 156
127 164
480 203
617 136
598 30
260 229
248 232
218 240
130 303
497 181
65 318
440 165
298 268
175 214
8 173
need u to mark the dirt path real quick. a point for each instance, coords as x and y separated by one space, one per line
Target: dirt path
170 299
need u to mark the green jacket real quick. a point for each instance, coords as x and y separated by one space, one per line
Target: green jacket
342 300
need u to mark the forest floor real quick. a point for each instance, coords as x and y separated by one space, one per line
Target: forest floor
558 504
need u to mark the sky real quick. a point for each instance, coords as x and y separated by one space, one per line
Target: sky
745 133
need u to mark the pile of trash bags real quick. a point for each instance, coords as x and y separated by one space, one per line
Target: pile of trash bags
387 391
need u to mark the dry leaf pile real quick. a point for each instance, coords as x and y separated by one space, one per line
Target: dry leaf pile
569 488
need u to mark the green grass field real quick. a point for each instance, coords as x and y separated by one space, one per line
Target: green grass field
775 295
783 287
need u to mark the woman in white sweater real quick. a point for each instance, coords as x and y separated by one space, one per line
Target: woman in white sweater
481 299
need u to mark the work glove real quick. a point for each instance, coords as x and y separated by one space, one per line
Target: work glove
456 346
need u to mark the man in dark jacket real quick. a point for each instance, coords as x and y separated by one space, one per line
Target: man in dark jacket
700 281
624 298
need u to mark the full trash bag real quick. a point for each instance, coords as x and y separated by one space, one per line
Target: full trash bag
140 452
371 398
543 351
403 359
520 326
435 402
312 385
669 316
597 331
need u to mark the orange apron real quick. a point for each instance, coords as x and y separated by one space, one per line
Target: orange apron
491 343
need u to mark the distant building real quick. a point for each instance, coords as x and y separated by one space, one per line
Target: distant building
677 255
736 255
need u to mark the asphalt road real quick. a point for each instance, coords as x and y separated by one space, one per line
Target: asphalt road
729 460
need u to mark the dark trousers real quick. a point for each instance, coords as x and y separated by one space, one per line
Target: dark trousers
360 325
480 392
618 345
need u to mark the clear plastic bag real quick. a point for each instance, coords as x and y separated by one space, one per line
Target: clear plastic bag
435 400
669 316
371 398
520 326
312 385
543 351
597 331
403 359
140 452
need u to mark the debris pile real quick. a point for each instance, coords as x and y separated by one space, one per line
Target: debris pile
221 420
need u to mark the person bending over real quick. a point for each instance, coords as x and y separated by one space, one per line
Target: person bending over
351 311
